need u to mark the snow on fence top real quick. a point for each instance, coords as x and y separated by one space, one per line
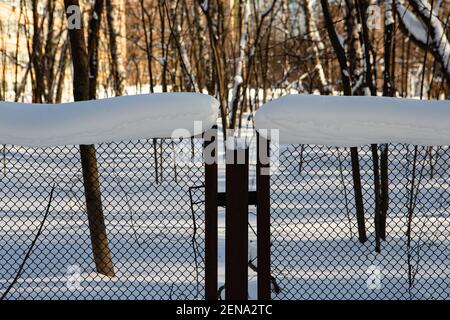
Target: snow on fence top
356 121
115 119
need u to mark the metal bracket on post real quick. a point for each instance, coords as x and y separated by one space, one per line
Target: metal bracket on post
236 224
222 199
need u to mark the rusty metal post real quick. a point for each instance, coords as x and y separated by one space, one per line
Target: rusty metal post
263 216
236 233
211 242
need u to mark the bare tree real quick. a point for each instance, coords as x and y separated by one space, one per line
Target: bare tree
36 56
146 18
426 29
175 26
317 44
210 9
100 245
244 16
342 59
93 46
115 15
388 90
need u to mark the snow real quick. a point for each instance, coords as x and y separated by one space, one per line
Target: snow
147 222
316 254
356 121
420 32
412 24
389 17
441 42
114 119
314 228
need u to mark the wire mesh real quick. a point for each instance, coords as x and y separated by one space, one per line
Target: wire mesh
152 198
153 202
315 249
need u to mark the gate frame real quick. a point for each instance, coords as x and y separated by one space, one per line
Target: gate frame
236 200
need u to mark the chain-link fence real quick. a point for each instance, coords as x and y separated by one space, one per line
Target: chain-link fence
152 195
315 249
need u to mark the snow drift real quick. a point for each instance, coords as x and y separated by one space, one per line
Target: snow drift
356 121
114 119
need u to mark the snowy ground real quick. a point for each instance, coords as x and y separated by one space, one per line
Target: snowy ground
149 224
316 253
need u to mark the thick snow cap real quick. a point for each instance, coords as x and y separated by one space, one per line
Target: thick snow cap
355 121
115 119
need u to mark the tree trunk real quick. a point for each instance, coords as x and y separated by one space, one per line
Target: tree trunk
62 71
100 246
39 85
426 30
115 13
217 62
368 73
355 51
93 40
317 44
148 43
162 19
175 26
259 22
388 90
340 53
244 14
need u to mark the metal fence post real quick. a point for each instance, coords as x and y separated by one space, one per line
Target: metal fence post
236 233
263 216
211 242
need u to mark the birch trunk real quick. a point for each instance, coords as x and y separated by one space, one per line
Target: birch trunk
317 44
237 79
115 15
426 28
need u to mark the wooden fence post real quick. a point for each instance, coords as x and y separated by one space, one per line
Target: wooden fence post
236 224
263 216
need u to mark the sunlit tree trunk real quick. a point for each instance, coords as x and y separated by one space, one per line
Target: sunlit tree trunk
115 16
317 44
342 59
100 245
